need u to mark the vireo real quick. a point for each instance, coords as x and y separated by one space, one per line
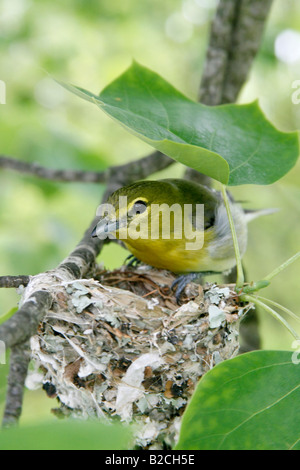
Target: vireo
177 225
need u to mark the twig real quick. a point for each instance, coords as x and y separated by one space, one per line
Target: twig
19 361
14 281
140 168
35 169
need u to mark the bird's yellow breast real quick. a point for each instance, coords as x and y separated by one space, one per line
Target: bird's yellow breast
172 255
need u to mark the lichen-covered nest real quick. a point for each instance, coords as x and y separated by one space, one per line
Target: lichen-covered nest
117 346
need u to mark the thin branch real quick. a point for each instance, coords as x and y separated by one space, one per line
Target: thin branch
140 168
14 281
34 169
19 361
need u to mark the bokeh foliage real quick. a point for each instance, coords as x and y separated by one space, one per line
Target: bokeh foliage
89 43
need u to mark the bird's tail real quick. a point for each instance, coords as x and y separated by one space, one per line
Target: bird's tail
253 214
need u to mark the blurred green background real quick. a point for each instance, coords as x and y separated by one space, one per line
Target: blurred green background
89 43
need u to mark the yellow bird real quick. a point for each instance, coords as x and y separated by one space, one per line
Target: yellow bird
177 225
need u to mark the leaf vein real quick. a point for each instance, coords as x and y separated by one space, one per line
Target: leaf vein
258 412
248 159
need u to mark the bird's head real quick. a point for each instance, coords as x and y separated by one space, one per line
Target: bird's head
130 207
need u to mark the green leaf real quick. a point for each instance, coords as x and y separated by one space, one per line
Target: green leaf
68 434
249 402
5 316
234 144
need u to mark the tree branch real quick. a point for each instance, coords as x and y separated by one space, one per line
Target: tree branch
156 161
14 281
19 361
35 169
235 38
24 323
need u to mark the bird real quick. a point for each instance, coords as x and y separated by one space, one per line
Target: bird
177 225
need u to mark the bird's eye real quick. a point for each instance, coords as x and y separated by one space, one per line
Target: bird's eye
138 207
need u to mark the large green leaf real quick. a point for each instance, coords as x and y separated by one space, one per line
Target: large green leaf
249 402
69 434
234 144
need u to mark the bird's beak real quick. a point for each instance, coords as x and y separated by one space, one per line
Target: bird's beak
105 227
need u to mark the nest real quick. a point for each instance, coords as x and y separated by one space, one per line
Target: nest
119 347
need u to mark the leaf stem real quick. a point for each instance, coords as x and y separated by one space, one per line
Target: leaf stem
250 298
282 267
6 316
239 267
281 307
